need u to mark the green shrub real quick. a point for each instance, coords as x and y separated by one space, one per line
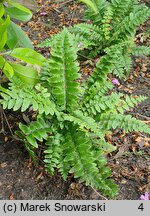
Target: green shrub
15 43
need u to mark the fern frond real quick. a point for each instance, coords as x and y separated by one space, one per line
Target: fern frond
141 50
115 23
107 63
128 102
61 73
112 103
84 122
90 32
31 151
125 122
78 38
123 66
97 103
127 27
101 146
106 22
104 104
96 17
53 152
91 103
122 8
35 131
94 35
83 161
22 97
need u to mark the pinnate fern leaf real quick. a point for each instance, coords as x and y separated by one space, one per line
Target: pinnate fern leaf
125 122
20 97
141 50
84 122
122 7
106 22
129 24
96 18
83 163
90 32
62 72
107 63
53 152
124 104
36 131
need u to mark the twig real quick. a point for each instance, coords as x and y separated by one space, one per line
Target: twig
56 10
148 121
16 138
66 2
7 123
146 117
2 121
98 193
85 57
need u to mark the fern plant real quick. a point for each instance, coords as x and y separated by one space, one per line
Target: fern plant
113 27
72 119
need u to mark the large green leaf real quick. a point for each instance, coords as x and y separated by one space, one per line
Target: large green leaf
17 37
8 70
20 7
1 10
3 31
28 55
2 62
27 74
18 14
31 4
6 67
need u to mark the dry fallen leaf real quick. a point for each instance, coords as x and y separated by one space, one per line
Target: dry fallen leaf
108 137
30 163
3 165
6 139
144 67
123 181
133 148
39 176
12 197
142 141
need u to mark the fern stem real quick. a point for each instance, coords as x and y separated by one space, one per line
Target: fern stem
66 2
65 77
86 57
100 195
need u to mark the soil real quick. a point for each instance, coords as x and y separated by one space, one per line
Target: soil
130 164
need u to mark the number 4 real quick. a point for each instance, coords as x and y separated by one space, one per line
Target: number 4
141 207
